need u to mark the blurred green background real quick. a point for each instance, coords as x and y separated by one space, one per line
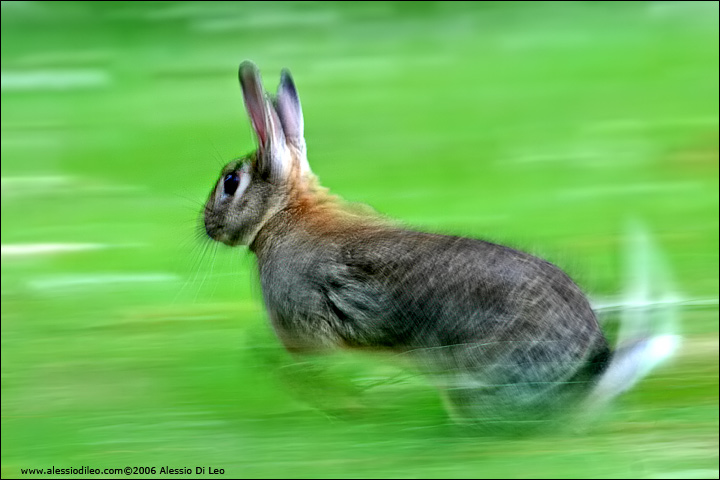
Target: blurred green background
127 339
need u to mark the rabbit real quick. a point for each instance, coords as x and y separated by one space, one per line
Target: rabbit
508 337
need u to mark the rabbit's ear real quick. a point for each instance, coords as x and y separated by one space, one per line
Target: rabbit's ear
287 105
265 122
289 110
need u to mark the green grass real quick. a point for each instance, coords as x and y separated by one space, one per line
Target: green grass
544 126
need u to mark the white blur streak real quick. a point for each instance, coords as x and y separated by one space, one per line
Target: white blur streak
618 305
39 181
648 282
11 250
32 185
98 280
31 80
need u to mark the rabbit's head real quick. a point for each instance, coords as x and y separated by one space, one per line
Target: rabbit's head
253 188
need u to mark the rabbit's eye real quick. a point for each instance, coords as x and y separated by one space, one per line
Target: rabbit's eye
230 183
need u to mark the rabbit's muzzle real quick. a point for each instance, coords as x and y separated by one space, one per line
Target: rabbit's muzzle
216 231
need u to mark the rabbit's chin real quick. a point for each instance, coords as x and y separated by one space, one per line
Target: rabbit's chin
223 237
229 240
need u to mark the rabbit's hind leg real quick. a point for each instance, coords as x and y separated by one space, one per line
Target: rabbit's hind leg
492 408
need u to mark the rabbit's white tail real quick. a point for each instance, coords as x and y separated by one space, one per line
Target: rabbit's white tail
648 332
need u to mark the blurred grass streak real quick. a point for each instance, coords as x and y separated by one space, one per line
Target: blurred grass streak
541 125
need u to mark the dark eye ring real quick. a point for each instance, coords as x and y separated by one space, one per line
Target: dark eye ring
230 183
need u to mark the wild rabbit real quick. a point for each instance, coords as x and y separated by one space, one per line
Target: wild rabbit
506 335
